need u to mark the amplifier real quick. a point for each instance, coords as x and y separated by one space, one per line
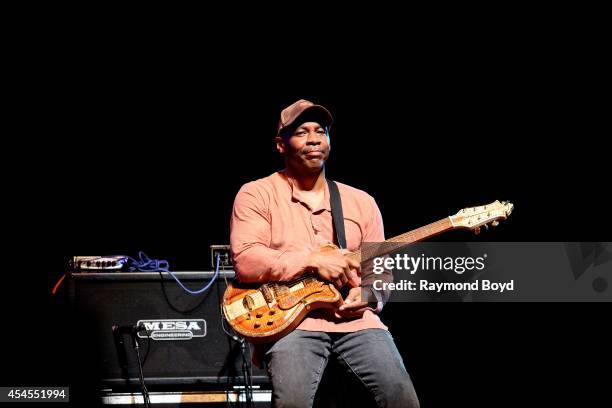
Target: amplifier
99 263
182 342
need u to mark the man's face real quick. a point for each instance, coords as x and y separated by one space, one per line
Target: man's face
306 149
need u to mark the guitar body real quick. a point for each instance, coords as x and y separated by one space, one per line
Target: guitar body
265 313
268 312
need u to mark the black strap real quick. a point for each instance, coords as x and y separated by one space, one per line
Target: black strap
337 215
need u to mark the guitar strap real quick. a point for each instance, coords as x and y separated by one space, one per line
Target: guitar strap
337 215
338 218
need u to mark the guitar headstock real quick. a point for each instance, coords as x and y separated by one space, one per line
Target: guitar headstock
473 218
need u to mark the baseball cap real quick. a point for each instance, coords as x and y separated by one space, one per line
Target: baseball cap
305 110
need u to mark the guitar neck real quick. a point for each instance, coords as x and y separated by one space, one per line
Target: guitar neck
392 244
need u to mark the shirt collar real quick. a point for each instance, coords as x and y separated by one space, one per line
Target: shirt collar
295 194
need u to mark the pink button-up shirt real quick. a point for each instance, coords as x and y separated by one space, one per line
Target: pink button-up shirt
273 232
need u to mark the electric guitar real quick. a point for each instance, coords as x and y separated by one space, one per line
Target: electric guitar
265 313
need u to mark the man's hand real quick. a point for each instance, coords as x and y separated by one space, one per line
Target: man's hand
353 305
333 266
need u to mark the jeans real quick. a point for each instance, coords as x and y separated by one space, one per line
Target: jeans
297 361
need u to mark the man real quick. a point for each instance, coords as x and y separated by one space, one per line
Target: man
278 225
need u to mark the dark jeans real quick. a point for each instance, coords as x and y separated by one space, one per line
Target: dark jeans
296 363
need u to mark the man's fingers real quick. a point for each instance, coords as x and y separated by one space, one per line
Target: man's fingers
353 304
347 274
354 270
343 278
353 263
351 312
353 278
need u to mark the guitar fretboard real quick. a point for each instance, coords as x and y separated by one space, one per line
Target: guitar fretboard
397 242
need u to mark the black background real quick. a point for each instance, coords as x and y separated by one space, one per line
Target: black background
122 148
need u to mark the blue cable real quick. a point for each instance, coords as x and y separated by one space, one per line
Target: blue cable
147 264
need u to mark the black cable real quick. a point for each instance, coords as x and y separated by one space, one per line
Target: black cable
145 391
169 303
230 337
146 355
247 370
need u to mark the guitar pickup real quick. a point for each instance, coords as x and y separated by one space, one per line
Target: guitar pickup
267 294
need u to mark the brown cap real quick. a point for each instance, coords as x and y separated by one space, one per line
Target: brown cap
316 113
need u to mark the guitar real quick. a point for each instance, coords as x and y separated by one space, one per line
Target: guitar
265 313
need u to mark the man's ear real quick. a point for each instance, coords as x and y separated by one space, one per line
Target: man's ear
280 145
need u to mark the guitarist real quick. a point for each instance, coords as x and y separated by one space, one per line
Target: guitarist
278 224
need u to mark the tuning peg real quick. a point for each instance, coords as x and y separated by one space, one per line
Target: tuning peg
477 231
495 223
